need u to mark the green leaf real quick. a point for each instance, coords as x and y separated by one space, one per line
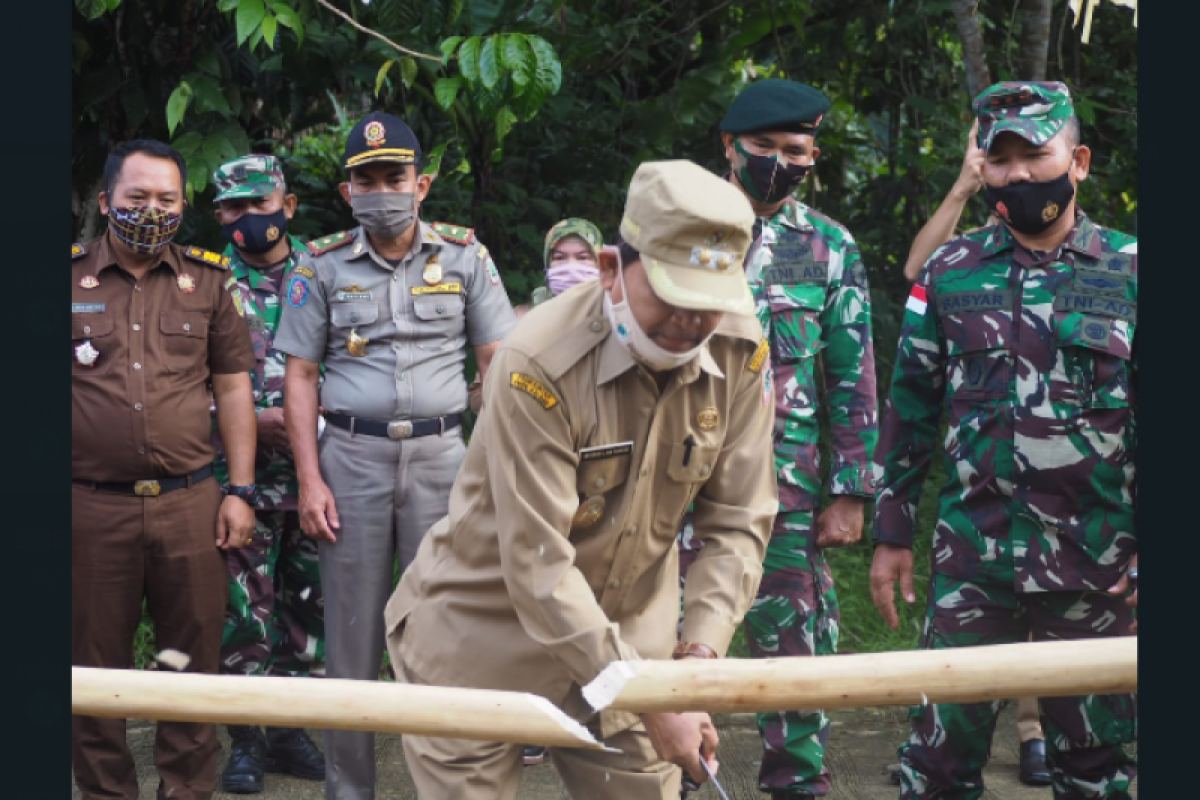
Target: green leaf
92 9
454 11
382 75
210 96
433 159
268 28
448 46
519 59
227 5
176 105
489 68
272 64
249 16
446 90
468 59
549 70
210 63
504 123
408 71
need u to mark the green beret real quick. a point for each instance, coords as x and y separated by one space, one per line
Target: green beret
776 104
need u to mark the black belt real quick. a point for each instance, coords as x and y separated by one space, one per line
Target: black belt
151 488
399 429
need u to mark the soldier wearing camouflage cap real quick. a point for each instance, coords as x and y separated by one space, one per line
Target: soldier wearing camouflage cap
388 309
1023 335
274 620
619 402
812 300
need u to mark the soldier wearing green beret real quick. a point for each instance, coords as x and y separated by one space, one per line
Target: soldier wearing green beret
811 298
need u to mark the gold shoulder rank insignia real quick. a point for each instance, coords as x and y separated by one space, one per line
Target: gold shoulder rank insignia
534 389
215 260
760 356
330 242
77 251
303 270
454 233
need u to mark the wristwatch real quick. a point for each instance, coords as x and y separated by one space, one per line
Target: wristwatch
248 493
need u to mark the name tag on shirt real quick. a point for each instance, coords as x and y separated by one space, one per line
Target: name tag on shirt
977 300
603 451
86 308
441 288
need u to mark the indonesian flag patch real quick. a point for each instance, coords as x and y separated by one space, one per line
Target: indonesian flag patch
917 301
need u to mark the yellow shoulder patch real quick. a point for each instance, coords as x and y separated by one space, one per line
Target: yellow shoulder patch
760 356
454 233
331 242
303 270
534 389
77 250
215 260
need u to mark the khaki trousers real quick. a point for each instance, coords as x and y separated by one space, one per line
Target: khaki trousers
462 769
388 494
123 549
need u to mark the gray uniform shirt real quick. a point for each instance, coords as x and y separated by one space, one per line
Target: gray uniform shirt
417 322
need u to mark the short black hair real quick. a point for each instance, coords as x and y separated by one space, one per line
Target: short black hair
1072 131
151 147
628 252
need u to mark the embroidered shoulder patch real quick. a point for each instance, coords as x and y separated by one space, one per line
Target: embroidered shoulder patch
534 389
330 242
297 292
215 260
454 233
760 356
303 270
77 251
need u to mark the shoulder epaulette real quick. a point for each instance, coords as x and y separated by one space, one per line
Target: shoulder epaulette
77 251
760 356
214 260
454 233
331 242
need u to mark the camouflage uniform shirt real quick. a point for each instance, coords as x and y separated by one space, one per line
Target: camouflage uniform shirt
1032 358
810 289
256 293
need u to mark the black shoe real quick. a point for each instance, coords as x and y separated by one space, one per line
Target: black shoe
894 774
244 770
291 751
1034 771
534 755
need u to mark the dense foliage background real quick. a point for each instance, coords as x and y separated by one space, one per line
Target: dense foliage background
533 110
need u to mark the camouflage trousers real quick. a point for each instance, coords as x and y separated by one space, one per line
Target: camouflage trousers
794 614
950 742
274 620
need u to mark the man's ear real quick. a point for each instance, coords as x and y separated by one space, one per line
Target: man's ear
606 260
104 203
424 183
1081 163
727 142
290 202
344 191
816 154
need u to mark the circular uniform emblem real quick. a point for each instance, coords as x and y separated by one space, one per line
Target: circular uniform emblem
298 292
272 233
239 238
432 274
588 513
375 134
89 281
187 284
1002 210
1050 212
1094 330
708 419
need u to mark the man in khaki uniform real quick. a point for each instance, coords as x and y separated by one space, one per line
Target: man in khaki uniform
609 412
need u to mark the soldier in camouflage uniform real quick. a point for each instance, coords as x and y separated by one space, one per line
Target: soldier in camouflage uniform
273 623
811 295
1023 334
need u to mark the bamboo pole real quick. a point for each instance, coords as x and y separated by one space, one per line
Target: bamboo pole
326 703
968 674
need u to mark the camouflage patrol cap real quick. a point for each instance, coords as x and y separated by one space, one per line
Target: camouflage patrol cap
248 176
776 104
692 230
572 226
1035 111
381 137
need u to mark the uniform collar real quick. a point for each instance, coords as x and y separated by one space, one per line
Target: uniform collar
1083 238
426 238
616 360
106 255
254 276
792 215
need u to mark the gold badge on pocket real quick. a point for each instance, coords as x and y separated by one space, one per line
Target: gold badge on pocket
588 513
433 271
708 419
356 344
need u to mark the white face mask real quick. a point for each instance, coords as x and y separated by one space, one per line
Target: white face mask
629 333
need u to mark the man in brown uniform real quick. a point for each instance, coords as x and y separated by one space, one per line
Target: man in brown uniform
152 324
609 411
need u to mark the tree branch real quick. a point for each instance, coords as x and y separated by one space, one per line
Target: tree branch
379 36
1035 39
978 76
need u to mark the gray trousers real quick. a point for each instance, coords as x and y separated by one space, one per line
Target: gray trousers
388 494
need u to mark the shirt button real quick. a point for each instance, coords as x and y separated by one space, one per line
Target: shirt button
631 530
87 328
137 287
354 317
645 471
142 451
257 394
137 327
397 315
598 483
187 326
137 406
704 469
441 309
615 583
137 365
596 326
396 277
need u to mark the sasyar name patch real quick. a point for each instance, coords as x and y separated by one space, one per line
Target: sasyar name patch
534 389
975 300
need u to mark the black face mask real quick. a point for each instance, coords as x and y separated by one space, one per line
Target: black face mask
1033 206
768 180
256 233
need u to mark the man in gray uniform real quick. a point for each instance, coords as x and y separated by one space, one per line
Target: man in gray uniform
389 308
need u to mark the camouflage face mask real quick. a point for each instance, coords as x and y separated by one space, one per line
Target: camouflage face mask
144 229
767 179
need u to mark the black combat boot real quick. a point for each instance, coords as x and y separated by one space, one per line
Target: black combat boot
1034 771
244 771
533 755
291 751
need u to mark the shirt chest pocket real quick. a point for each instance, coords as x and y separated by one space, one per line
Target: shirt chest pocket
1093 368
353 315
593 480
795 322
95 328
689 467
184 337
979 346
440 322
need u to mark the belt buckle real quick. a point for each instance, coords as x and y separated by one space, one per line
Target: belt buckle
402 429
146 488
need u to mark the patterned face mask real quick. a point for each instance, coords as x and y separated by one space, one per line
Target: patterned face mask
144 229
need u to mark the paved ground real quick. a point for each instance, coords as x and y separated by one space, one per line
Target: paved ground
862 742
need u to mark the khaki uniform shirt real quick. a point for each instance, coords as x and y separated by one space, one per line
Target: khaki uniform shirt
514 589
418 318
141 411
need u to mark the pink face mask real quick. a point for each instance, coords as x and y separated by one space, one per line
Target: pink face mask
562 275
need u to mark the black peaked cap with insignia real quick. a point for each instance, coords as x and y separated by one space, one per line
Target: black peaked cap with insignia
381 137
775 104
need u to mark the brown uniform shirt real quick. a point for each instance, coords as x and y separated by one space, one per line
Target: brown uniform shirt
513 590
141 411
